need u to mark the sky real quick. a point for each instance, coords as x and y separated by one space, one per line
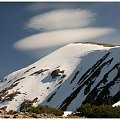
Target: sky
30 31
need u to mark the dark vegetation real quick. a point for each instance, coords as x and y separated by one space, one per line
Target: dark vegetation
19 79
27 106
10 96
103 94
93 77
102 111
4 93
74 77
92 69
40 111
57 72
39 72
63 76
60 81
52 95
45 109
87 80
50 98
98 95
29 70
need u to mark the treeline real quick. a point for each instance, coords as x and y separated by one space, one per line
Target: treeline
43 109
102 111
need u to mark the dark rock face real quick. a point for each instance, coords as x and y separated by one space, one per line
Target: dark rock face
98 95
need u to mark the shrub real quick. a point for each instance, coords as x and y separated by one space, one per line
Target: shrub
103 111
26 105
45 109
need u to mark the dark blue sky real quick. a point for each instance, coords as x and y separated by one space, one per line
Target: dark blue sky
13 16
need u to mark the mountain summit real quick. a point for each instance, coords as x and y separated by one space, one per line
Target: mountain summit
75 74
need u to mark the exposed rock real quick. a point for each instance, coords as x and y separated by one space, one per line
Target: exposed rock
39 72
56 73
29 70
94 43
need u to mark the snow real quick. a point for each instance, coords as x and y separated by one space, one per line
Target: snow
116 104
66 113
70 58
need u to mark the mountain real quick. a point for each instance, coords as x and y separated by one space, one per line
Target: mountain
75 74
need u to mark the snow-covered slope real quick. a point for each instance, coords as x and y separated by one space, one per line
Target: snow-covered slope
74 74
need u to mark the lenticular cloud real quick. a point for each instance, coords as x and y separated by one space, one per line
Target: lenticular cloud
62 19
61 27
61 37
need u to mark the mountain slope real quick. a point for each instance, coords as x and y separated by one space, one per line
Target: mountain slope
74 74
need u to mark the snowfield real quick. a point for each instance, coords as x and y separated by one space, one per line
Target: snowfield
74 74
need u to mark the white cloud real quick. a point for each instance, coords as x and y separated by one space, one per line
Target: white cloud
62 37
62 19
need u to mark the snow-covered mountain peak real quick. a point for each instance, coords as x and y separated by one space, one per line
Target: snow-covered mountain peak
75 74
